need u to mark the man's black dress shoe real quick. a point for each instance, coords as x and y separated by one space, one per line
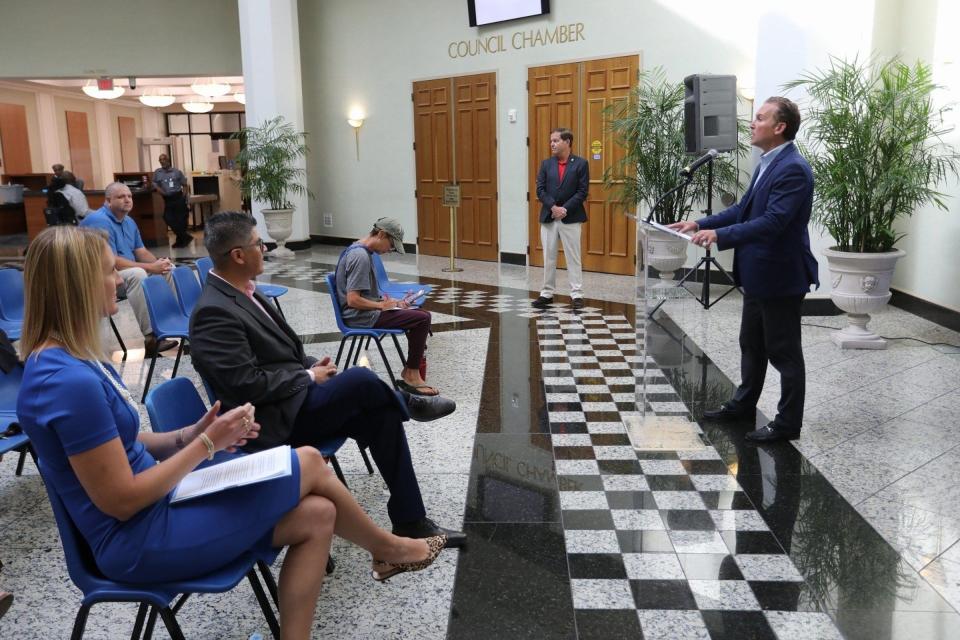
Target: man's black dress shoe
425 528
726 412
578 303
428 408
771 433
542 303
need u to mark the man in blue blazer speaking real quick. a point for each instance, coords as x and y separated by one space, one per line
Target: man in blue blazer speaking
773 264
562 185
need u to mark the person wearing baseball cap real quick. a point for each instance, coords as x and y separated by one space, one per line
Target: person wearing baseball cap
364 306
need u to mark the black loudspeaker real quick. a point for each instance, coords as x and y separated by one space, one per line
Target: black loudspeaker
710 113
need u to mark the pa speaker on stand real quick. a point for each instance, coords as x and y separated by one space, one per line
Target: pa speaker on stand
710 122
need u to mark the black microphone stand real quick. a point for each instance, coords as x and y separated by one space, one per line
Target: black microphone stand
706 261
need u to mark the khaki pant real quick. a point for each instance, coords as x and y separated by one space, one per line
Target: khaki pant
551 235
132 280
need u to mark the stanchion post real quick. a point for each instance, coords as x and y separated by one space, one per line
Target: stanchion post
451 198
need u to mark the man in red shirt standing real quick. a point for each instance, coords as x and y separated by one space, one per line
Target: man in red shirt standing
562 186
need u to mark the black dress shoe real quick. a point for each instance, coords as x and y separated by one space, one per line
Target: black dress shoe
578 303
428 408
726 412
152 346
771 433
542 303
182 242
426 528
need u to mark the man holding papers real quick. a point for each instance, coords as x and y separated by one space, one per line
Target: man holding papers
773 264
247 352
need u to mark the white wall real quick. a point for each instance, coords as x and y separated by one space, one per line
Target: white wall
57 39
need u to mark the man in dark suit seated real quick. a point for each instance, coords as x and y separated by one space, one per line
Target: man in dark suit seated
247 352
772 262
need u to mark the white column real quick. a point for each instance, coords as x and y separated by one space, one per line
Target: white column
49 133
270 49
101 113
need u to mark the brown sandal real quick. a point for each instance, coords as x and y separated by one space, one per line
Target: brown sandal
435 544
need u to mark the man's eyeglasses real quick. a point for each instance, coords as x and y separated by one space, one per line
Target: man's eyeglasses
259 244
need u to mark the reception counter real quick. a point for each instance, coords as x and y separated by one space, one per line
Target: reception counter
147 212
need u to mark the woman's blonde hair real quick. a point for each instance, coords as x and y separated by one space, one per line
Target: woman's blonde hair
63 281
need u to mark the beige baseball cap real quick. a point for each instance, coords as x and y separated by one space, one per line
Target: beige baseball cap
393 229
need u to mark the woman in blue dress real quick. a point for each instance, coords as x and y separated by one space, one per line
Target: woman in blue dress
116 481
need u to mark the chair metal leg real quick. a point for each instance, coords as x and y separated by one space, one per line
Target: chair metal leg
267 576
276 301
386 362
116 332
176 363
356 356
146 387
22 458
264 604
80 622
173 627
396 343
337 470
151 623
366 460
141 617
343 341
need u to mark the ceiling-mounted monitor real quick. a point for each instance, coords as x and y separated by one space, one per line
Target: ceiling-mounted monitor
483 12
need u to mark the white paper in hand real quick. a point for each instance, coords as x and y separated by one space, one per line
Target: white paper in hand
256 467
666 229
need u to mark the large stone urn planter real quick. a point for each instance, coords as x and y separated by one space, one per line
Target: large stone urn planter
279 227
860 286
666 253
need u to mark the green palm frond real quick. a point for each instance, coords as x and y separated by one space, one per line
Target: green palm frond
875 142
268 162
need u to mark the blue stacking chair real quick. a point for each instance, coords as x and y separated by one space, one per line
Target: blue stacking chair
396 289
204 265
358 334
176 403
15 441
167 320
272 291
11 302
155 598
188 288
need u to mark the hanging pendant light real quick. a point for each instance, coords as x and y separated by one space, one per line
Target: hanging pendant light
240 97
197 104
91 90
211 88
157 100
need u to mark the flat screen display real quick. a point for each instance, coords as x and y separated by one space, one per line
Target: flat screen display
490 11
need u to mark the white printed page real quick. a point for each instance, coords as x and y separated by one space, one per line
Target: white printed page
256 467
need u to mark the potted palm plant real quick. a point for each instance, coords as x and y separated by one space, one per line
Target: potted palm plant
875 142
649 128
270 173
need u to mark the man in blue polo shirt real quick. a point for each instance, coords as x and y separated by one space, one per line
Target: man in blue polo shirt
134 261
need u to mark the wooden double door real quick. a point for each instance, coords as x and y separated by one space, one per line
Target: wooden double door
574 95
455 142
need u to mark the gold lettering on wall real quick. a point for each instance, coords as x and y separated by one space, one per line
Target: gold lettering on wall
561 34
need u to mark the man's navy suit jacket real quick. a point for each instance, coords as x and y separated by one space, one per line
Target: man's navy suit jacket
570 194
768 230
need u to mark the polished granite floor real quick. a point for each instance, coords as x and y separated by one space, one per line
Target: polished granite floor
573 534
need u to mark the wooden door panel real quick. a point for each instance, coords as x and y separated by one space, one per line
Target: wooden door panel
475 149
78 140
432 124
14 136
129 158
553 101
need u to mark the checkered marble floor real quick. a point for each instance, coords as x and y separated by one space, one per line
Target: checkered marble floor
660 545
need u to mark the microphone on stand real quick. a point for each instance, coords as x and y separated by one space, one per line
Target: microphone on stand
688 170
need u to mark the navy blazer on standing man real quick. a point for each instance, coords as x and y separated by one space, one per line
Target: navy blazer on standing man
569 194
772 255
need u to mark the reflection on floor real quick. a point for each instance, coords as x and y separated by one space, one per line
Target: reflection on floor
573 534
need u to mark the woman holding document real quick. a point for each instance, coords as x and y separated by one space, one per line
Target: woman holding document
117 481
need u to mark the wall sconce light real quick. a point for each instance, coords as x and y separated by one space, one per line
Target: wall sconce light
355 120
